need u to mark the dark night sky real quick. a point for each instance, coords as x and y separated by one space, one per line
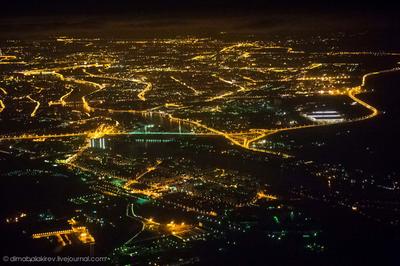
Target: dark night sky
190 7
126 16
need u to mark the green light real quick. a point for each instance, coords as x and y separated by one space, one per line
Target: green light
118 182
142 201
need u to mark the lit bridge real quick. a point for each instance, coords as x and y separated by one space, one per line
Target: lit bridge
167 133
87 134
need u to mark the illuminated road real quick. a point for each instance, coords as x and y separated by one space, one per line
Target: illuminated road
2 106
137 218
196 92
7 57
85 103
146 89
61 101
221 96
50 136
54 71
36 107
171 228
148 170
73 157
226 94
355 91
241 88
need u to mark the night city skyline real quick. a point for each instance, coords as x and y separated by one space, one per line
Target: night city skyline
200 132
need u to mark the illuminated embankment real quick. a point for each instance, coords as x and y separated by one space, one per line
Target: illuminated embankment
373 110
